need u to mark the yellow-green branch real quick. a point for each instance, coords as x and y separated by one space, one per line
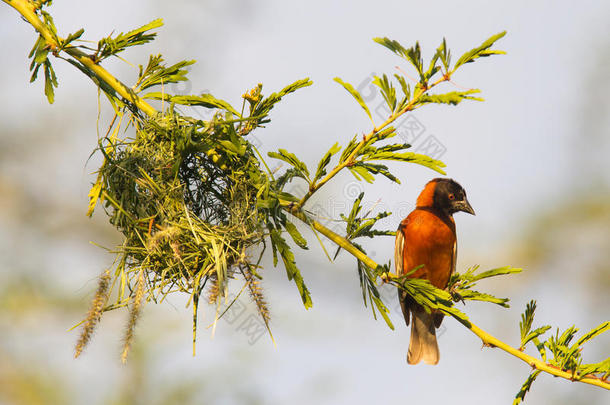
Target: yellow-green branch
336 238
532 361
28 11
485 337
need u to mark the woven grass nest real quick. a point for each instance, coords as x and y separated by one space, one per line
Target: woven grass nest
184 195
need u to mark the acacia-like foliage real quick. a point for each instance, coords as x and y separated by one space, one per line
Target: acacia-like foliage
194 199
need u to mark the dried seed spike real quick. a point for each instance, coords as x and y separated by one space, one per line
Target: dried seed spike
256 293
134 314
214 289
95 312
195 308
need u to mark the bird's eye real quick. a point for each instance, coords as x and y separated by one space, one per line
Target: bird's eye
451 196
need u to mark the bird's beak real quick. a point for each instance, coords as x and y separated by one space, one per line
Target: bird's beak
464 205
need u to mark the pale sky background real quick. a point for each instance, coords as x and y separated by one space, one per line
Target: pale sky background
539 139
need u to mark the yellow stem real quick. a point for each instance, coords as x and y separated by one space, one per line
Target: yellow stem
28 11
487 339
532 361
336 238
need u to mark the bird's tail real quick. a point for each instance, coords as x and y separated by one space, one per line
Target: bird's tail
423 345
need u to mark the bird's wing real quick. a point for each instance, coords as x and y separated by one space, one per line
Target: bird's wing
454 256
399 249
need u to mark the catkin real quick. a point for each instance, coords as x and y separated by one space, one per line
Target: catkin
134 314
213 290
95 313
256 294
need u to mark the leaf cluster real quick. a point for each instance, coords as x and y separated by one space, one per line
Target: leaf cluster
40 55
460 285
428 296
413 55
111 46
358 226
428 77
361 158
370 293
157 74
459 289
362 226
559 350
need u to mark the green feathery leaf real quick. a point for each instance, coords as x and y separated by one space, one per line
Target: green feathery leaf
293 160
321 171
526 387
451 98
110 46
203 100
292 270
356 96
480 51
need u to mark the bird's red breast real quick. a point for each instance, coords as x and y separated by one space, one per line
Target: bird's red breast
429 240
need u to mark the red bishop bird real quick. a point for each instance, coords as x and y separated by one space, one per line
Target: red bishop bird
427 238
